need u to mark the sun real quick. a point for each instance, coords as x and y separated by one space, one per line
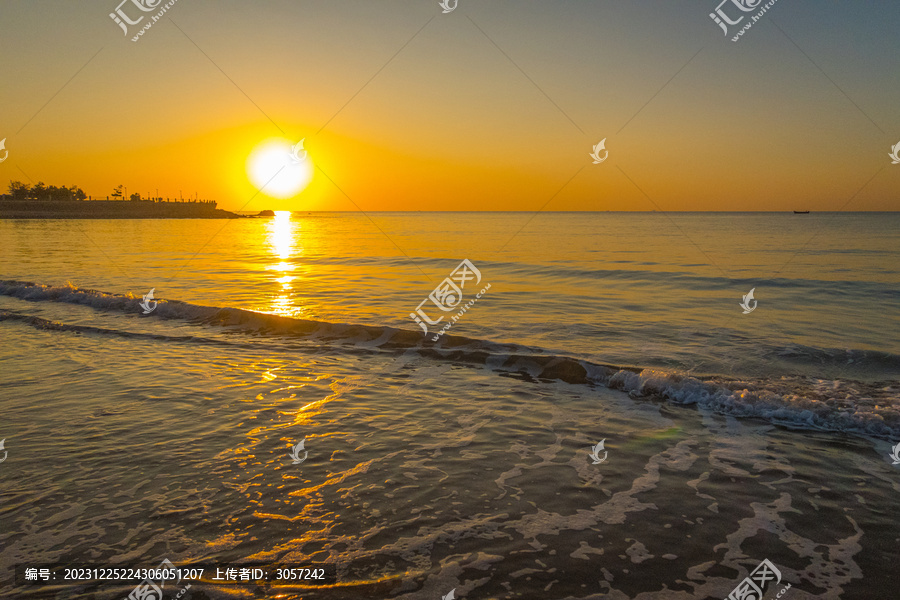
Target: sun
274 169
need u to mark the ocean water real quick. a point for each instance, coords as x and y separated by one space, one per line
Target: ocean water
464 463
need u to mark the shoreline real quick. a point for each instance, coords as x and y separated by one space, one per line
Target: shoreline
104 209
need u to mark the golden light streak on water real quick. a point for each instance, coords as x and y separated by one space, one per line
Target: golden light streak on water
282 236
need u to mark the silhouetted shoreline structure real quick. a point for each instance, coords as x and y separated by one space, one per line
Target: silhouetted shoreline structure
42 202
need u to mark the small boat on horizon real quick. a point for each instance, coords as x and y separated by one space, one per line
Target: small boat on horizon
801 212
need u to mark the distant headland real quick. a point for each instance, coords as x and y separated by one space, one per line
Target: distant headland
51 202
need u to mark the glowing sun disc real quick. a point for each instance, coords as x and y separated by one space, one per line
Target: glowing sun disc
272 167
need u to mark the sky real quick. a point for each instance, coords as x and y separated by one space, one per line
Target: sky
495 105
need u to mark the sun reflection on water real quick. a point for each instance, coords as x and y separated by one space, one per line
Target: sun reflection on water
283 234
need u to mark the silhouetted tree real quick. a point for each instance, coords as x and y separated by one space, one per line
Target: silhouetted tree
38 191
58 193
135 197
19 190
119 192
76 193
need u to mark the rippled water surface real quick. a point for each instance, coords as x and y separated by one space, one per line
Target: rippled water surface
463 464
629 288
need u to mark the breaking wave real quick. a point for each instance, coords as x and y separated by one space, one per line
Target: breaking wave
801 403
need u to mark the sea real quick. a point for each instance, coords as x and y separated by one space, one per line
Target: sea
445 405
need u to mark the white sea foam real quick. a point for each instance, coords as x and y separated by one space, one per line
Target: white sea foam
849 407
795 402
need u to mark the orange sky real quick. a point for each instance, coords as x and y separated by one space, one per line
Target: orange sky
491 107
